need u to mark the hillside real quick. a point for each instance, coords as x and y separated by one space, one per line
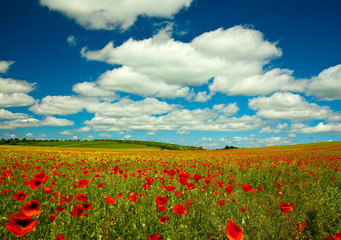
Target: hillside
99 144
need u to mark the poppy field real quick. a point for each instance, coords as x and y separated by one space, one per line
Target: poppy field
289 192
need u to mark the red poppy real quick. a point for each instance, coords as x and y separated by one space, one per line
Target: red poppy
179 209
35 183
228 189
330 237
60 209
81 197
189 203
221 202
233 231
161 208
161 200
47 190
87 206
42 176
60 237
83 183
20 196
247 188
19 224
301 226
77 211
31 208
169 188
178 193
155 236
53 217
286 208
163 219
110 199
337 236
190 186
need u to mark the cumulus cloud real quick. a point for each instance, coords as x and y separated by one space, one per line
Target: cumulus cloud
15 100
232 58
9 86
319 128
105 135
128 108
4 66
32 122
278 129
290 106
90 89
59 105
112 14
5 114
71 132
327 85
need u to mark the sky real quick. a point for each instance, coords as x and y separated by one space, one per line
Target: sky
192 72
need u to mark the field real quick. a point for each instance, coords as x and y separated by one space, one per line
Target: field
288 192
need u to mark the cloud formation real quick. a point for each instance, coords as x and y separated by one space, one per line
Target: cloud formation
232 58
114 14
290 106
4 66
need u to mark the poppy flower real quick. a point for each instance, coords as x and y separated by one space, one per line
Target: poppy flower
87 206
20 196
77 211
60 237
42 175
301 226
110 199
179 209
19 224
53 217
221 202
161 208
247 188
233 231
330 237
35 183
286 208
31 208
161 200
155 236
81 197
228 189
163 219
60 209
83 183
169 188
337 236
47 190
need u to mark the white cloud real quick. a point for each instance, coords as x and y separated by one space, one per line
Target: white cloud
292 135
290 106
71 40
278 129
5 114
7 135
10 86
4 66
234 58
127 136
129 108
58 122
66 132
111 14
105 135
15 100
319 128
32 122
74 137
90 89
327 85
29 134
59 105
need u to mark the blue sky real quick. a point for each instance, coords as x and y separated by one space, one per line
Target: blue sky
193 72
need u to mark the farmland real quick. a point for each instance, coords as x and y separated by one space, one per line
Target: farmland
287 192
